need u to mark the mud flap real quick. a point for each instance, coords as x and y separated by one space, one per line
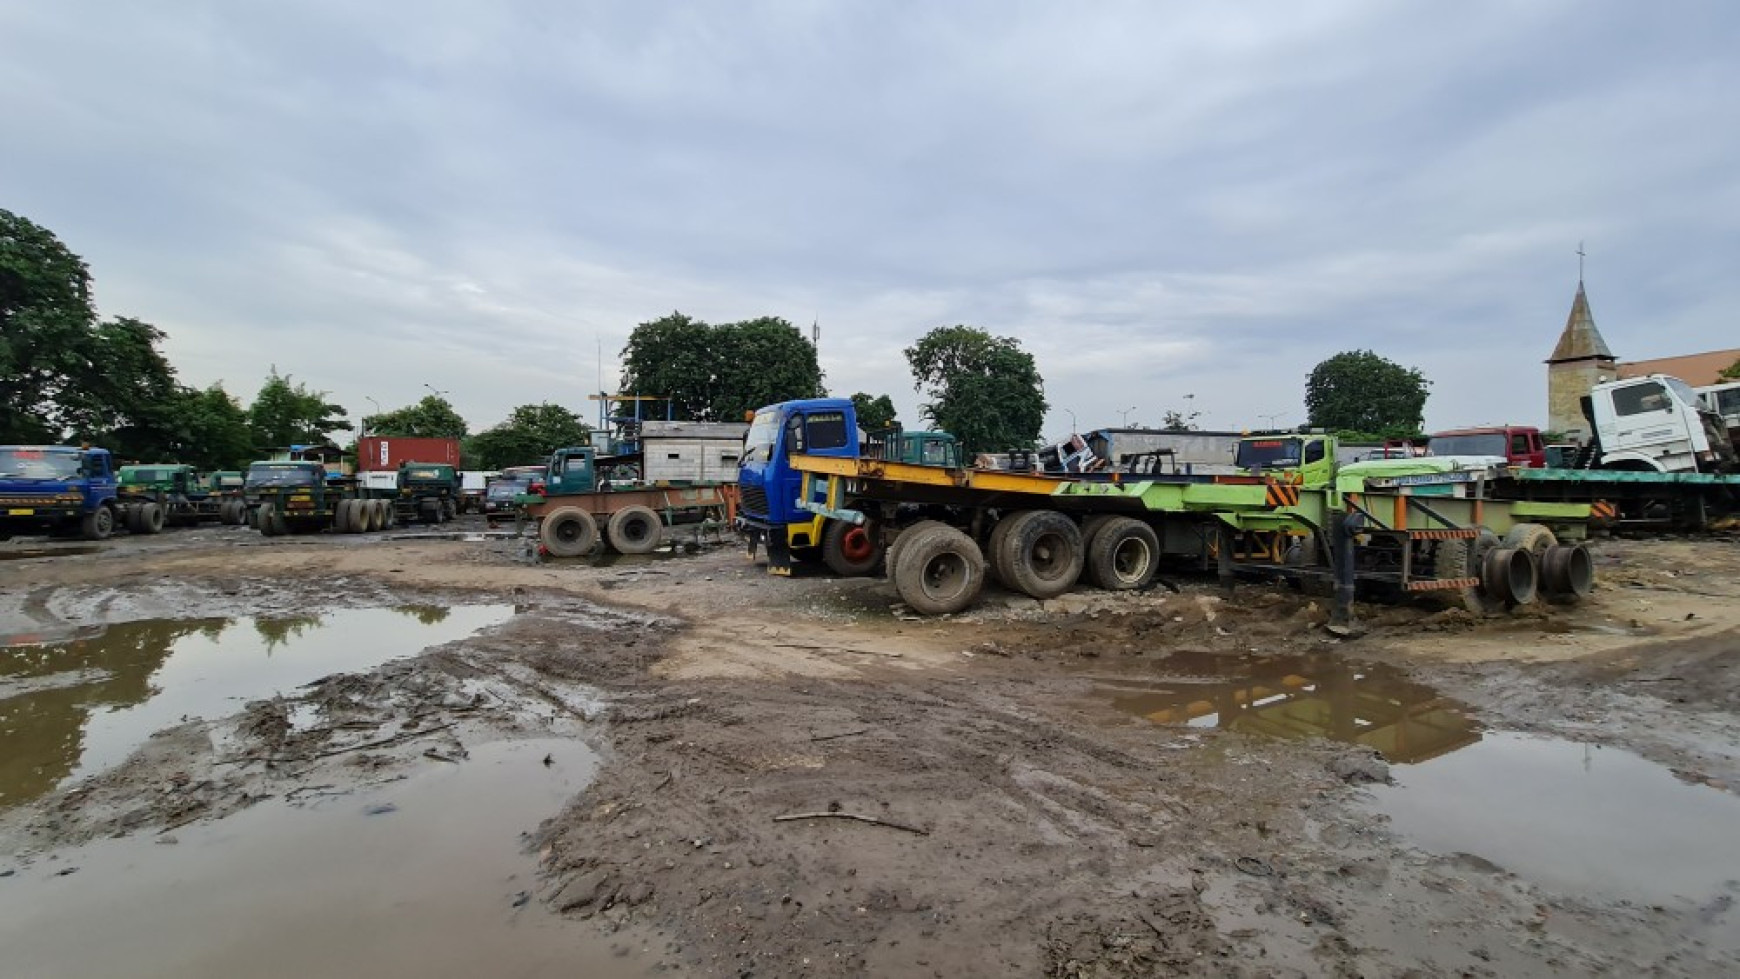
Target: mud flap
778 553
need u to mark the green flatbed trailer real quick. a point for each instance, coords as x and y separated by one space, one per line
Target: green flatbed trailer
1673 501
1386 528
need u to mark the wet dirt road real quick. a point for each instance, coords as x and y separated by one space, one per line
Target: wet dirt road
794 777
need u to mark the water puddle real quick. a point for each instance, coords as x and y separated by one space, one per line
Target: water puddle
1574 817
25 553
1301 697
435 883
77 700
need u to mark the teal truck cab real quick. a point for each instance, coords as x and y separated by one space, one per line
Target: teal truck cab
57 489
768 487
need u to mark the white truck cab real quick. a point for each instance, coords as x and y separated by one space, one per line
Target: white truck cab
1657 424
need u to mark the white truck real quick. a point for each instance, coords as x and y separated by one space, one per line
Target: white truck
1655 424
1724 400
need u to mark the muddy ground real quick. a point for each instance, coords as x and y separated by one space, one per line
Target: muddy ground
801 778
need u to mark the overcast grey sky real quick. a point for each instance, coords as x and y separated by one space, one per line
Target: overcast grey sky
1159 200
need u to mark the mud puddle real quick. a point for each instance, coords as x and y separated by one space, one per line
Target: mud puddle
428 877
1577 818
1301 697
75 701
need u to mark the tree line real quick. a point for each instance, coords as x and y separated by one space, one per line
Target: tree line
66 374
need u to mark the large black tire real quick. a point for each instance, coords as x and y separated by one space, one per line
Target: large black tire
1039 554
900 540
568 532
852 550
1531 537
382 514
151 519
449 510
940 572
994 546
634 530
1122 554
98 524
429 511
344 517
131 518
266 520
1453 560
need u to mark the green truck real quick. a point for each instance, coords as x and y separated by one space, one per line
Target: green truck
421 491
173 494
300 498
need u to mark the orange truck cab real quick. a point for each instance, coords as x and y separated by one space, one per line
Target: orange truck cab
1520 446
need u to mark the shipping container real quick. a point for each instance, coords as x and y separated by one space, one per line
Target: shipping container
376 453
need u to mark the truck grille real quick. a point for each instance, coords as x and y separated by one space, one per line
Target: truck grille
754 501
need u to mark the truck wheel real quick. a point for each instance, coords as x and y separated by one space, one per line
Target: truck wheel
1040 553
941 571
851 550
900 539
379 511
634 530
344 517
98 524
994 547
1455 560
568 532
130 517
390 513
1122 554
266 520
151 519
1531 537
451 509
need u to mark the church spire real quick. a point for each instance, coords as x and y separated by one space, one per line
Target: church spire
1581 340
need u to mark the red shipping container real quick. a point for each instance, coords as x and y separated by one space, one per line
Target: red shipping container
375 453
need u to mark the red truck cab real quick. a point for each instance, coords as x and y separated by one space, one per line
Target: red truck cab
1519 445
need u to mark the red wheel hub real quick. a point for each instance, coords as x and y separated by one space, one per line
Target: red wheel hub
856 545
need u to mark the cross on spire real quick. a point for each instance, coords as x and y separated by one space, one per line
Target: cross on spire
1580 256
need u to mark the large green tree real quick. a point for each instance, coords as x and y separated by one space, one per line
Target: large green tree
125 392
530 434
46 319
1731 372
719 372
874 412
432 417
211 429
1357 390
984 389
286 413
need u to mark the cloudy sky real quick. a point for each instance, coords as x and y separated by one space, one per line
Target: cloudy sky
1170 205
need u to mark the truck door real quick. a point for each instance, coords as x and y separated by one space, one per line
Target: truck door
819 432
1642 419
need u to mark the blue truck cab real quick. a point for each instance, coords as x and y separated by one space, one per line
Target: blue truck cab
57 489
767 485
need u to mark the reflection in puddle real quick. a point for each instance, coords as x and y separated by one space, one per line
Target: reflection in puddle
1574 817
74 701
427 888
1304 697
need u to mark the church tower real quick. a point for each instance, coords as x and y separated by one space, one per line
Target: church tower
1579 362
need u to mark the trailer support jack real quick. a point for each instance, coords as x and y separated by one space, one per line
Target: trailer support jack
1341 531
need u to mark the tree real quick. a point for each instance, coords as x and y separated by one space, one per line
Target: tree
874 412
717 373
285 414
530 433
1178 421
985 390
1358 390
46 318
432 417
1731 372
122 392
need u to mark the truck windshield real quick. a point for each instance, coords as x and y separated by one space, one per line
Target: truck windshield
1686 395
38 464
279 476
134 477
1481 444
762 432
506 489
1268 453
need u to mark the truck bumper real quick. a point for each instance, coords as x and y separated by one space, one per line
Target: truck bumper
758 534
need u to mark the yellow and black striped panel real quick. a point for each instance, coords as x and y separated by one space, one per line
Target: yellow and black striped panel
1282 494
1604 511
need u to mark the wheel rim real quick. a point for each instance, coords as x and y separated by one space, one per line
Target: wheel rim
1048 558
637 530
856 545
568 531
105 521
1131 559
945 576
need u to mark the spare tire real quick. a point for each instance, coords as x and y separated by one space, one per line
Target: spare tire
634 530
940 572
568 532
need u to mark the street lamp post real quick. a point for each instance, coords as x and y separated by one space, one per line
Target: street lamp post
377 405
1073 425
1124 415
1274 418
437 393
